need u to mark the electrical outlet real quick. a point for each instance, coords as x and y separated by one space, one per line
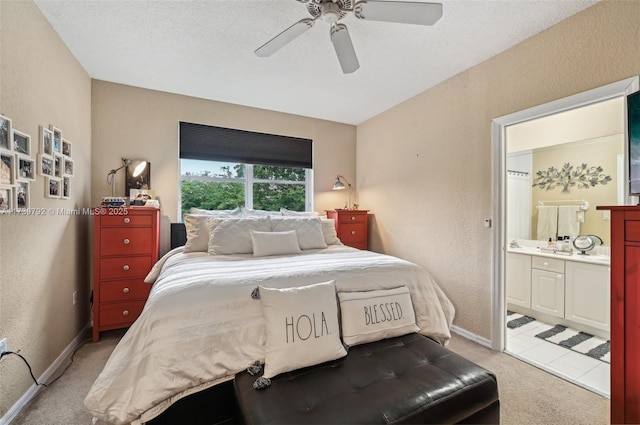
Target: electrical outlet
75 297
4 345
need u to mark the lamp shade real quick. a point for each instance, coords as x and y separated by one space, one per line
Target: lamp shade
338 185
140 166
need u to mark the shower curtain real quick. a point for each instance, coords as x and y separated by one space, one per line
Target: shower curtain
518 205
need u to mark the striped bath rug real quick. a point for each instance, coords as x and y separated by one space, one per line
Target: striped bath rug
515 320
580 342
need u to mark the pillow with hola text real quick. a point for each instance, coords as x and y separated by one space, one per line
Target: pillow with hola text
301 327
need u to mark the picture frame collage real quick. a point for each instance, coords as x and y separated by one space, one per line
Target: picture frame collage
55 163
19 165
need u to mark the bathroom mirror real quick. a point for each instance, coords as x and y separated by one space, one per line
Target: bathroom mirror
592 135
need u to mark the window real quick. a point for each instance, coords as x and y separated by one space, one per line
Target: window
221 185
225 168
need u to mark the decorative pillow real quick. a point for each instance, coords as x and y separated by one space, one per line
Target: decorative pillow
329 232
219 213
197 232
375 315
287 212
274 243
248 212
301 327
308 230
232 235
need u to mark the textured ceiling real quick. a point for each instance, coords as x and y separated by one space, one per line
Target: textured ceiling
205 49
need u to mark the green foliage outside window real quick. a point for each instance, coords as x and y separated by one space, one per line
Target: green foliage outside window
220 195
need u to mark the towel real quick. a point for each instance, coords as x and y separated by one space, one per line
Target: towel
568 224
547 222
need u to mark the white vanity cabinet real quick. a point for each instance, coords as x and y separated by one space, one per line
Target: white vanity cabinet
547 285
587 294
518 279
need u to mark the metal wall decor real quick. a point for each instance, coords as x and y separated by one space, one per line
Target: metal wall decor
581 177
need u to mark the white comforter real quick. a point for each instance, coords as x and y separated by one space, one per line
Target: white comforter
200 325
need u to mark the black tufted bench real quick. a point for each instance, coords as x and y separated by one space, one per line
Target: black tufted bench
408 379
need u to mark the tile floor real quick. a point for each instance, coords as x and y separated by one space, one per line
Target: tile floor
582 370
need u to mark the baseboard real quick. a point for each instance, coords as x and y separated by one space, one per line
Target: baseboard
470 335
33 390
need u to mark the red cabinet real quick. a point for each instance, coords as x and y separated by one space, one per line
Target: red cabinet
352 227
625 314
125 247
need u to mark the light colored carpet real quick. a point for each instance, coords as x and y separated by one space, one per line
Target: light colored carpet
527 394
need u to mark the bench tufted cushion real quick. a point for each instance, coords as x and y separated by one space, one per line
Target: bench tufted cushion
407 379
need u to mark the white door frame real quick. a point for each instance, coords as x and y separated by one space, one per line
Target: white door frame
498 183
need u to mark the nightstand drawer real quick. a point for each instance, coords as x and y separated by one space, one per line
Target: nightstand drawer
123 313
129 220
352 232
125 268
346 218
124 290
125 241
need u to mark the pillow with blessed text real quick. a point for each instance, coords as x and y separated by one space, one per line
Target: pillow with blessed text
374 315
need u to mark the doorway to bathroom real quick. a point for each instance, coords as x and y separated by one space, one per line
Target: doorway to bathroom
553 164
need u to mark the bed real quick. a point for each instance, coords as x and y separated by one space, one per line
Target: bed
201 326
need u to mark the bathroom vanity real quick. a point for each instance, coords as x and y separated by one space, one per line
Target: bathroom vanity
572 290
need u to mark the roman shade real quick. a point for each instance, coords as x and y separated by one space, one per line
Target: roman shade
210 143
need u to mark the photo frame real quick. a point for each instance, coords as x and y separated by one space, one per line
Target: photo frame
22 198
25 168
21 143
57 139
46 141
52 187
45 165
6 197
143 181
6 142
140 196
58 165
68 167
66 148
7 168
66 187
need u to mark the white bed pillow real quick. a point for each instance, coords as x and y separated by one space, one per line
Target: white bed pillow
232 235
301 327
374 315
219 213
308 230
286 212
248 212
197 232
274 243
329 231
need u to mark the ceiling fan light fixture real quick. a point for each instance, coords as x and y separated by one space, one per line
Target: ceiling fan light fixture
330 13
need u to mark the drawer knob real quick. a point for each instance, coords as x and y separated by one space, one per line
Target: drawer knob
125 290
559 276
353 232
353 217
126 241
127 220
125 267
125 313
546 263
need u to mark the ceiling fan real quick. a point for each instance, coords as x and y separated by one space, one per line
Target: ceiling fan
331 11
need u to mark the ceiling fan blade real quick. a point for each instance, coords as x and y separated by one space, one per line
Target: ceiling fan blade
344 48
284 38
403 12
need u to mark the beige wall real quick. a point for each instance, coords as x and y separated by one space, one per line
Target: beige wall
430 198
43 259
600 152
130 122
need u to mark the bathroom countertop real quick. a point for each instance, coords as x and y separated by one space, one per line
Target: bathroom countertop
575 256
